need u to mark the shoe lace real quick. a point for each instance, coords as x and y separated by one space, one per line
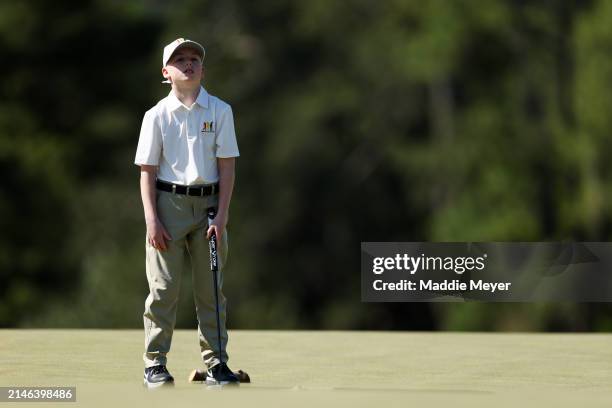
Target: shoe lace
160 369
218 369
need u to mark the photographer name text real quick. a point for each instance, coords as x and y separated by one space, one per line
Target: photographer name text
453 285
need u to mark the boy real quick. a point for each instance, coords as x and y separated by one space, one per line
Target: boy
186 152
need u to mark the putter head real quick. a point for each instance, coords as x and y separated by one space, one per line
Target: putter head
243 376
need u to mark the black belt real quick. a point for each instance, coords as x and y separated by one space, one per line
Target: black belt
200 191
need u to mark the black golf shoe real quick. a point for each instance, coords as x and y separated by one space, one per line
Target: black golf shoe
157 376
220 374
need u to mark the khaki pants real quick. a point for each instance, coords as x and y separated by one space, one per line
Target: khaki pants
184 217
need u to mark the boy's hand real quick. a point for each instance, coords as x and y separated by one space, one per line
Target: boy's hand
217 225
157 235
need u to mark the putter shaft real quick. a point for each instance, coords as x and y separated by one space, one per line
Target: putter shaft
214 267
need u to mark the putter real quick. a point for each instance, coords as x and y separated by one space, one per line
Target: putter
214 267
198 375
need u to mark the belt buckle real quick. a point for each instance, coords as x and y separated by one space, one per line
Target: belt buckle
187 190
201 191
174 189
212 189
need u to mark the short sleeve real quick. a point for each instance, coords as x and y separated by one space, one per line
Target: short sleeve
227 146
150 141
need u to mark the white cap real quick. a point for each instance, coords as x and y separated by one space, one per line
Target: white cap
181 43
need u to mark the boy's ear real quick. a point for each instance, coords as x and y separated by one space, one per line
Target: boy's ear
165 73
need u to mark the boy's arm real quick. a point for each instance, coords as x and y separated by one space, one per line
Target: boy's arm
227 174
156 233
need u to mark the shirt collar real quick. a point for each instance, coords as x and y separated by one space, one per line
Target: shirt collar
202 100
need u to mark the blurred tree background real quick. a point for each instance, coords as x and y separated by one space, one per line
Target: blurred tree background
356 120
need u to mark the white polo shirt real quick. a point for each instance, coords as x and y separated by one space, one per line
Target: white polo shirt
185 142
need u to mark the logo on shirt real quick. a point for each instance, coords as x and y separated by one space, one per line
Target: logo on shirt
208 127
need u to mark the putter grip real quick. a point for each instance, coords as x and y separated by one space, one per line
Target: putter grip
212 247
212 242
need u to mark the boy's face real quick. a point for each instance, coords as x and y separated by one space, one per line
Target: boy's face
184 67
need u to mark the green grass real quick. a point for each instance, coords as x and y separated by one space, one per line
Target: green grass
306 368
